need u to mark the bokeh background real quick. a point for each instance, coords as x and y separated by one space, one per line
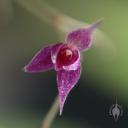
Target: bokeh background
26 98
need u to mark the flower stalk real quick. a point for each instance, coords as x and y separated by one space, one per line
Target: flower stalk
50 116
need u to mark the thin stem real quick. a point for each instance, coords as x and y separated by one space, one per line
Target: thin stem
50 116
50 15
64 24
40 9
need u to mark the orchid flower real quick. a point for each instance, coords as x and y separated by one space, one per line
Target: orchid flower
65 58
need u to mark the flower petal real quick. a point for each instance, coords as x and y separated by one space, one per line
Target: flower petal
66 80
41 61
82 37
55 50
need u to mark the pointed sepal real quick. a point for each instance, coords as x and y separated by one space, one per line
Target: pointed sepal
66 80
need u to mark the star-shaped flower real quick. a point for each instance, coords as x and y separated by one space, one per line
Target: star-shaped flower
65 59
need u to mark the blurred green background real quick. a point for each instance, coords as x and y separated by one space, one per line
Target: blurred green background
25 98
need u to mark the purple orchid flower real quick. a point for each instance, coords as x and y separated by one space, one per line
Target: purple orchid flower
65 59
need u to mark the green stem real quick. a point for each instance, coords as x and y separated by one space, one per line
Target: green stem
50 116
40 9
64 24
50 15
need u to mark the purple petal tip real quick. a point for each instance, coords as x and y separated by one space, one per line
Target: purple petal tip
66 81
94 25
25 69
